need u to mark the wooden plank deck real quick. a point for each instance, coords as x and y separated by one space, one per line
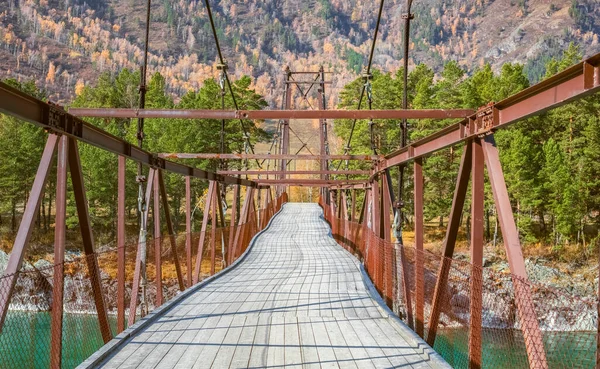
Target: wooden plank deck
297 300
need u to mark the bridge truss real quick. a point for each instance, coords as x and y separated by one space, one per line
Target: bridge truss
359 227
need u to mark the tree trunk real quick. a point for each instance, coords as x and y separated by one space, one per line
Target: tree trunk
496 231
441 224
50 199
487 225
44 219
542 223
38 221
13 221
468 226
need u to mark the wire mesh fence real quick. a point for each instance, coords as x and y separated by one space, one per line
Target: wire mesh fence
26 336
472 300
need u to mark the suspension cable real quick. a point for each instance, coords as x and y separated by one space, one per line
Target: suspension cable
404 124
140 178
235 104
368 70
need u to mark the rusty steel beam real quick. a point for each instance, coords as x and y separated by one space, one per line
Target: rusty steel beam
85 227
313 73
60 229
295 172
271 114
188 230
7 283
205 216
312 182
157 240
308 82
243 218
458 203
170 229
532 334
268 156
419 237
577 82
54 119
121 244
477 241
232 225
213 226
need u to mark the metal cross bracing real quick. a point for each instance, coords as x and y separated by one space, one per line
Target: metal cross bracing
417 284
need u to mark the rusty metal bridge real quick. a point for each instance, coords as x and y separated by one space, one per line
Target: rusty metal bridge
272 283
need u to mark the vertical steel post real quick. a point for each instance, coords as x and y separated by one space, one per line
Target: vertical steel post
213 227
353 206
239 236
7 283
476 281
85 226
598 320
221 223
59 254
260 211
170 229
188 229
458 203
157 242
232 224
205 216
121 244
419 234
525 306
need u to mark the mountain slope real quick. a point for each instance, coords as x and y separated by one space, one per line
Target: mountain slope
65 44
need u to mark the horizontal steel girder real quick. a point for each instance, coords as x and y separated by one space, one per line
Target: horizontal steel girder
293 172
54 119
268 156
314 182
574 83
270 114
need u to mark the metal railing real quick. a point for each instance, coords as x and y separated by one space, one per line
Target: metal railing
475 299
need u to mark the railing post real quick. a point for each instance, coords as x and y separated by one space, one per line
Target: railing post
353 206
7 284
188 229
157 242
419 235
205 216
85 226
170 229
525 306
213 227
121 245
476 281
259 213
59 254
232 225
458 202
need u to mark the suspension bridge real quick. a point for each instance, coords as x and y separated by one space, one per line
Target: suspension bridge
273 283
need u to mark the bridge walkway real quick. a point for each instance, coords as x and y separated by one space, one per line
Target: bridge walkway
297 299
